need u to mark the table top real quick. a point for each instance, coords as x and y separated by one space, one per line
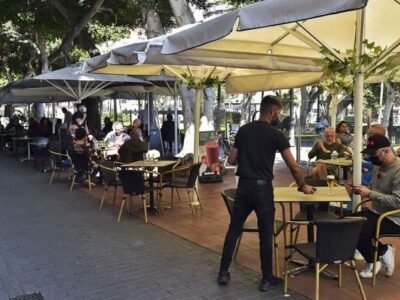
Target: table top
290 194
338 162
149 163
22 138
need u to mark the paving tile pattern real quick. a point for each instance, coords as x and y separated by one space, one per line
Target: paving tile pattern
57 242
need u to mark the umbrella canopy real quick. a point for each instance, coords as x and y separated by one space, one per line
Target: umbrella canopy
288 35
73 82
301 29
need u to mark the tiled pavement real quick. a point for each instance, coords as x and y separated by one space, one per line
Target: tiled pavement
57 242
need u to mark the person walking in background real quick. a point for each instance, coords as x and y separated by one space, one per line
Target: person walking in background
107 126
168 133
254 152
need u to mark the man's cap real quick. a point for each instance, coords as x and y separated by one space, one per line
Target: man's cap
376 142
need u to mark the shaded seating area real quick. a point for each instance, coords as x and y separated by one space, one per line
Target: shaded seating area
335 244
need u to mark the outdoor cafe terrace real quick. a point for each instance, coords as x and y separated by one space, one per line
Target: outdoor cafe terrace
208 229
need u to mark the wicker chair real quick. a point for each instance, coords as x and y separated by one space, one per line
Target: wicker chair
335 245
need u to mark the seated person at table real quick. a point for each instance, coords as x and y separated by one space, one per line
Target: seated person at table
133 149
33 128
115 139
323 150
384 192
80 146
342 134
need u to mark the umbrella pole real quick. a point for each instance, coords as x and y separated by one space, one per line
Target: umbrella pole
199 98
358 104
53 110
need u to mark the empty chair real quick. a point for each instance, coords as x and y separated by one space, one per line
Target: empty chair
133 184
188 183
335 245
58 163
109 175
251 226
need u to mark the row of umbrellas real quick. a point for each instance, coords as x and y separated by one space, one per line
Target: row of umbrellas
267 45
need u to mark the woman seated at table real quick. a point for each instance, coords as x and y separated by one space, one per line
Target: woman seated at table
323 150
115 139
81 146
133 149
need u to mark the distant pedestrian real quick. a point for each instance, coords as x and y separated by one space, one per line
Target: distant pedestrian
168 133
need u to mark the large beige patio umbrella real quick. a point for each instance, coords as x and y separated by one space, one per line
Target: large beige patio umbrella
279 36
299 29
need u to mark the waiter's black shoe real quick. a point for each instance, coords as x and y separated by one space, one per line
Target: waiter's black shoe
224 277
265 283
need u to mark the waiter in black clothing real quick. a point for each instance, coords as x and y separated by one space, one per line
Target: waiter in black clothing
254 152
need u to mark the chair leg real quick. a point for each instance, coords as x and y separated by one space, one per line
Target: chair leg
286 271
237 246
72 183
360 286
59 173
160 203
144 208
340 275
198 198
172 197
276 258
115 194
179 197
121 208
376 244
316 281
90 183
191 203
102 197
51 177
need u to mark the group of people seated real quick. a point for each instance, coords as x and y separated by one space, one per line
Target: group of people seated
380 184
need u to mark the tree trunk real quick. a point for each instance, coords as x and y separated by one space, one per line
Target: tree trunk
182 12
93 115
75 31
391 97
188 97
245 112
308 99
84 38
153 25
209 98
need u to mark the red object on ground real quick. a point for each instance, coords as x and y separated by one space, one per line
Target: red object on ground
212 152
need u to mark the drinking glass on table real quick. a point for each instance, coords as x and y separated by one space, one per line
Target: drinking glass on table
330 180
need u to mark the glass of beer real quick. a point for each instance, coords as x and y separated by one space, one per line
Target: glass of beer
330 180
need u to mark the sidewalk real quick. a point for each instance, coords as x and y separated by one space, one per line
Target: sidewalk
57 242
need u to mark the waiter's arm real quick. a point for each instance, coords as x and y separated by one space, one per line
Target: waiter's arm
233 155
296 171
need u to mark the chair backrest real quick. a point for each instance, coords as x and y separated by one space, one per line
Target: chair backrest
193 174
229 198
337 239
132 181
109 173
80 161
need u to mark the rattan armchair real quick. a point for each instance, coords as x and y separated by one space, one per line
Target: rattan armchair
378 235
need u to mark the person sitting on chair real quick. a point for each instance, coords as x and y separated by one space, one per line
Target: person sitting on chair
323 150
115 139
133 149
384 192
80 146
